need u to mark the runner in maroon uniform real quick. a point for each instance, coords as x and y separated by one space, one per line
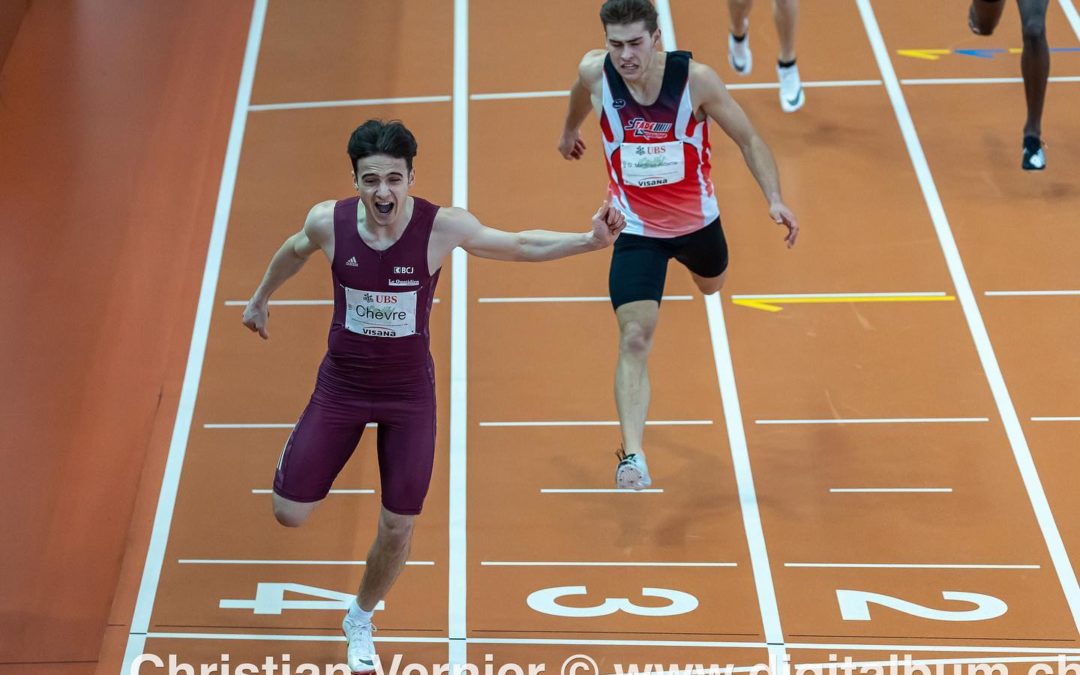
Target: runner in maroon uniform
385 249
654 109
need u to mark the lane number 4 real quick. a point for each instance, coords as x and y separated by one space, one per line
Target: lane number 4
270 599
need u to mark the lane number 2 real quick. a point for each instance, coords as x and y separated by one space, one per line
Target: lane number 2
855 606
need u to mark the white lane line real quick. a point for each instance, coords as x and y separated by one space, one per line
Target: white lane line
780 296
284 303
977 80
811 84
1029 293
1055 419
907 649
283 638
563 93
1022 453
170 482
616 643
740 455
811 646
1071 15
744 480
294 303
362 491
888 490
911 566
596 423
942 662
221 561
451 641
267 425
824 84
457 560
598 491
881 420
509 563
666 24
351 103
511 95
575 298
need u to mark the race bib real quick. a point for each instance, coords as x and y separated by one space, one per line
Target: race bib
646 165
380 314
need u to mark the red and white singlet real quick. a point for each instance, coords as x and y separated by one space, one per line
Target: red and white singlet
658 155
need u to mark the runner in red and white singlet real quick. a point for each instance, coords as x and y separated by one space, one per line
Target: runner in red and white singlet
385 249
658 155
654 109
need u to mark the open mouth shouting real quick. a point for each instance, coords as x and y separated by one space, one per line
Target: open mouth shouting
384 207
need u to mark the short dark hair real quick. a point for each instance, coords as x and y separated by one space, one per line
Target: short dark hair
626 12
376 137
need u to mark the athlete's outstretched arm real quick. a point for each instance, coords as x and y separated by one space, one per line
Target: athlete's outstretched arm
287 261
714 99
461 228
571 146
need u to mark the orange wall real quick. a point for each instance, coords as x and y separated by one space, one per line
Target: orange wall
114 120
11 15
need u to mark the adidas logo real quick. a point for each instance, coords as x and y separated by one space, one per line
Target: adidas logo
351 262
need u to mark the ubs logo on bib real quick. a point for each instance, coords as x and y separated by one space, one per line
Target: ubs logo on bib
380 313
644 150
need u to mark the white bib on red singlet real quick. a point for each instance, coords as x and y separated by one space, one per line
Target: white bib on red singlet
380 313
646 165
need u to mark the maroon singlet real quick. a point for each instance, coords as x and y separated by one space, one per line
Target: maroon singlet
382 301
377 369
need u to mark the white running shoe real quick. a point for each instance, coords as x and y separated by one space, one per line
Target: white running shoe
791 90
1034 158
738 54
632 473
361 647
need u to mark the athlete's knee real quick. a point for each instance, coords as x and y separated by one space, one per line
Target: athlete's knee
710 285
635 337
785 6
290 513
395 529
290 517
1034 30
983 15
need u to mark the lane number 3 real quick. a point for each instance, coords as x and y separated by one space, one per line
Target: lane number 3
546 601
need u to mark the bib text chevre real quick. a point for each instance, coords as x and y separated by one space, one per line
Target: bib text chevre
380 314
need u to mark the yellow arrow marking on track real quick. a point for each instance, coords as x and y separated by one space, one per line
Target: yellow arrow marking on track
925 54
772 303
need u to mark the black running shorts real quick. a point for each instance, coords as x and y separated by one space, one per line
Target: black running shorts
639 264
